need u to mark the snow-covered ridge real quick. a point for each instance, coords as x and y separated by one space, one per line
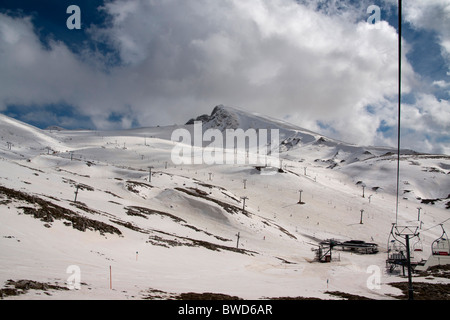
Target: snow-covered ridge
291 136
225 117
21 134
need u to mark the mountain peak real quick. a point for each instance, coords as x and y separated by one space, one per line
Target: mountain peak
221 118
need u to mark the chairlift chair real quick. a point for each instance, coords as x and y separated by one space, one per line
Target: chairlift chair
396 248
441 246
418 245
396 251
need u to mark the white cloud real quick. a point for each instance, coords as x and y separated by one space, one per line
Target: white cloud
34 75
431 15
257 54
181 58
427 124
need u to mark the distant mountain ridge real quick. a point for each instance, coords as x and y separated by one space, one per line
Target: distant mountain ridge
225 117
372 166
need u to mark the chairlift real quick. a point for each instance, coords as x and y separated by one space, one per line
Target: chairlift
396 251
394 244
441 246
440 252
418 245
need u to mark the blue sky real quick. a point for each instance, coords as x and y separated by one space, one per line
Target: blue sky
316 63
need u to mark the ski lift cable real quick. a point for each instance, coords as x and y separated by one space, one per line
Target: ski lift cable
399 103
440 223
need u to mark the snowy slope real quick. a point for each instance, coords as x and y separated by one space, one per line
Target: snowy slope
424 177
25 138
177 232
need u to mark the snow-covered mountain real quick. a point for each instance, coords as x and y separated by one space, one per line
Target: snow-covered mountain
224 117
374 167
111 210
291 136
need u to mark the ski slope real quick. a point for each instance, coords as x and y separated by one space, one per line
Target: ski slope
132 237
